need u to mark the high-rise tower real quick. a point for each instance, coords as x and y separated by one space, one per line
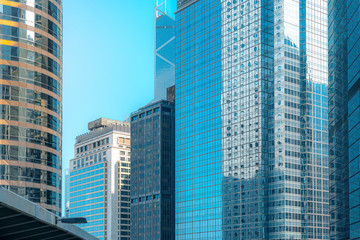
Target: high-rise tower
251 120
152 172
100 179
164 51
153 143
344 118
31 100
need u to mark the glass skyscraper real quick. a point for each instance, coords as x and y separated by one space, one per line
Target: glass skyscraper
152 172
344 118
153 143
251 120
164 51
31 100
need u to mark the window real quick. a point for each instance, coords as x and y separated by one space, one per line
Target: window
107 141
166 109
94 145
98 143
134 118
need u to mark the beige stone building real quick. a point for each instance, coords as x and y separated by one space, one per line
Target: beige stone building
100 179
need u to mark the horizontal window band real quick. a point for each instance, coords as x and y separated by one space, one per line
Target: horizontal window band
30 184
37 10
31 39
30 28
27 95
30 48
32 87
16 54
30 116
28 76
16 14
29 174
26 155
30 106
30 125
35 136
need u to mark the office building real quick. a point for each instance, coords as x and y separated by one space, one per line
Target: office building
100 179
31 100
164 50
153 172
251 108
344 102
153 143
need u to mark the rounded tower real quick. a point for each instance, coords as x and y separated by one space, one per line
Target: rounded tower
31 100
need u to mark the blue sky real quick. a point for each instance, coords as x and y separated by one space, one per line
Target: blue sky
108 62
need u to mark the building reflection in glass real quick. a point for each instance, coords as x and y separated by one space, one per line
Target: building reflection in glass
251 96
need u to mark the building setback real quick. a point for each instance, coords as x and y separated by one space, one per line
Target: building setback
31 100
100 179
251 120
152 172
344 118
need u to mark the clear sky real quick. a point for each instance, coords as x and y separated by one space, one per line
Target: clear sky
108 62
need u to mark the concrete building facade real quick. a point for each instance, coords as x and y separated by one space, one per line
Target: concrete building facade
100 179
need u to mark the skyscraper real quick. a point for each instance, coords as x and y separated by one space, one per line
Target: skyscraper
251 120
164 50
153 172
153 143
344 102
100 179
31 100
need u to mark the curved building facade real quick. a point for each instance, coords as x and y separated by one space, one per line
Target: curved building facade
31 100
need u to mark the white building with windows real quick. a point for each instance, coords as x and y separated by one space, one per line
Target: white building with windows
100 179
